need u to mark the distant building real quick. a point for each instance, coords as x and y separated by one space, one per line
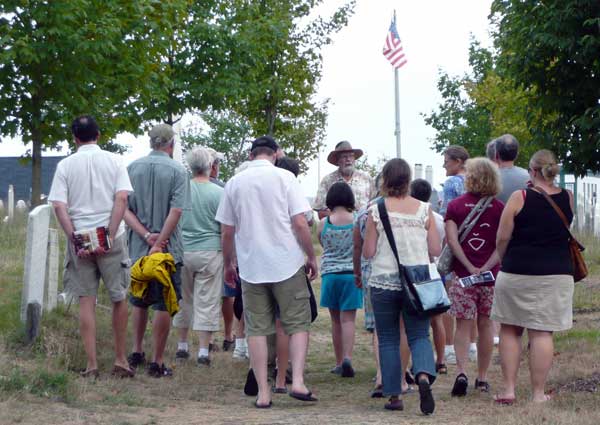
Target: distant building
12 171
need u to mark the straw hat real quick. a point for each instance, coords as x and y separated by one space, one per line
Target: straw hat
342 147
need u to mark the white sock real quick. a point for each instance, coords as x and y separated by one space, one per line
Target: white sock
496 340
182 346
203 352
240 342
473 346
449 349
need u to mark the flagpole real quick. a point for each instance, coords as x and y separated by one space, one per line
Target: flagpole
397 101
397 104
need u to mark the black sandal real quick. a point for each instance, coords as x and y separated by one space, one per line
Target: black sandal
482 386
441 369
460 386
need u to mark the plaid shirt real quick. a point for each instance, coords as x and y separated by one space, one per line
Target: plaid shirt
361 183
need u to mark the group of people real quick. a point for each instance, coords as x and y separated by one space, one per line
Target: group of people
191 246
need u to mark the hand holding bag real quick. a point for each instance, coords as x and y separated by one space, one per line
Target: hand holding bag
423 297
580 270
446 258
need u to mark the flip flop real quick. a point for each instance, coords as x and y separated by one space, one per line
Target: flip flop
409 390
303 397
121 372
279 390
505 401
89 373
263 406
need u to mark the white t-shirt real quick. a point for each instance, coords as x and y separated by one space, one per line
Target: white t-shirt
260 202
87 182
439 225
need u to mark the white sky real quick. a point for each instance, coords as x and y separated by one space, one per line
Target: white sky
360 82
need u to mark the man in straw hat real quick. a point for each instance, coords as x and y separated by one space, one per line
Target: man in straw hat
361 183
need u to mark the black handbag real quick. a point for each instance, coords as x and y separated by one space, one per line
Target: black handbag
422 297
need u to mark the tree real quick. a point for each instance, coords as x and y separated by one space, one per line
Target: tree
551 49
480 106
62 58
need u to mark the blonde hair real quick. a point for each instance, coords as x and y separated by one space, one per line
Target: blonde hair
482 177
545 162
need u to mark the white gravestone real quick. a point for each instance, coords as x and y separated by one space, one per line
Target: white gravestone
36 251
52 294
1 207
11 202
21 206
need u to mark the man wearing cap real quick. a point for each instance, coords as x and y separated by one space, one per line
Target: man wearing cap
263 209
361 183
161 195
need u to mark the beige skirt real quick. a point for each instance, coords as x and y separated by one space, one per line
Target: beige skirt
542 303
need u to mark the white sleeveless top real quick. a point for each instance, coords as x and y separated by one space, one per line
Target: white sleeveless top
410 235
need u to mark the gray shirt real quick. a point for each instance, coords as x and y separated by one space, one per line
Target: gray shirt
513 179
159 184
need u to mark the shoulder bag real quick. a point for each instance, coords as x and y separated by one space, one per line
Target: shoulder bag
426 298
446 258
580 270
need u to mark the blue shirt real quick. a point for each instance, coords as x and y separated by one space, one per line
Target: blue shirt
454 186
337 248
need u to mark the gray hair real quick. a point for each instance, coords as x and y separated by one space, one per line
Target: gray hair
490 150
507 147
200 161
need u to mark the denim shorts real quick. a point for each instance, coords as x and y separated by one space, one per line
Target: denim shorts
154 296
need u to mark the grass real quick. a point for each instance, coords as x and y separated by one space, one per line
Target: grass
41 380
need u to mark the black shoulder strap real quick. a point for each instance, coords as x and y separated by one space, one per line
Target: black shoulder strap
385 221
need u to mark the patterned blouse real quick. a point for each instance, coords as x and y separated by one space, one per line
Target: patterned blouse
454 186
337 248
361 183
410 235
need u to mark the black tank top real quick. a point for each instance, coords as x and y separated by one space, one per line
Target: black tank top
540 241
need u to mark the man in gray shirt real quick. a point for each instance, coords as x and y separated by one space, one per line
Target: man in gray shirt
161 195
503 151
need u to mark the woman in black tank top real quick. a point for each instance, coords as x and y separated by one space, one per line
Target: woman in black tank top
534 289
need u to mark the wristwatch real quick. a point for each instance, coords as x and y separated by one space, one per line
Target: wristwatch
147 235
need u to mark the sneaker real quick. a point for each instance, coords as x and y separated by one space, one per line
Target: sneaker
337 370
228 345
473 354
203 361
158 371
136 359
347 369
240 353
394 404
182 355
450 357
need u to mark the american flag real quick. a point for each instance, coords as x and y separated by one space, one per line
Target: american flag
392 49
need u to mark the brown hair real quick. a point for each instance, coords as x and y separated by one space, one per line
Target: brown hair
457 153
545 162
396 177
482 177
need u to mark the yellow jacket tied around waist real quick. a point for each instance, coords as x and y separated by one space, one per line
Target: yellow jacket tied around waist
157 267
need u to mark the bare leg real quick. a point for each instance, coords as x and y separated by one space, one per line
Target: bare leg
485 345
183 334
348 319
336 336
241 328
461 344
298 350
474 331
228 317
119 324
257 345
87 329
439 338
160 332
204 337
541 353
283 354
448 328
139 317
404 354
510 355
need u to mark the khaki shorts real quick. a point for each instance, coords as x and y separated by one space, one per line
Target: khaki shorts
261 299
82 275
202 282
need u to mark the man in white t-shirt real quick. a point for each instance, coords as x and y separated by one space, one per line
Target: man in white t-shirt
89 191
263 209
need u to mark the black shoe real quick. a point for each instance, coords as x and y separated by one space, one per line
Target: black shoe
213 348
394 404
228 345
136 359
347 369
410 380
427 401
482 386
158 371
182 355
203 361
251 386
460 386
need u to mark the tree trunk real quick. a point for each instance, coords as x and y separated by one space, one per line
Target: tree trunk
36 170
